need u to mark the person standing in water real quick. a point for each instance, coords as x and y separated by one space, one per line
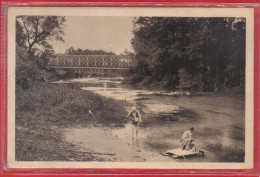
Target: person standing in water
136 118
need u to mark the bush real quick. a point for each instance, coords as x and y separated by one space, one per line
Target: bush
170 82
133 79
147 81
187 81
156 85
27 71
240 90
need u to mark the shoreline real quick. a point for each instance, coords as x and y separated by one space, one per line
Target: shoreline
69 106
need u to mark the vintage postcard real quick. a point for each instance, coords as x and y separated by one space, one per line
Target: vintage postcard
132 88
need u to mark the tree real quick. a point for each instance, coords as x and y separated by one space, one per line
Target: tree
177 51
27 71
33 50
70 51
79 51
35 31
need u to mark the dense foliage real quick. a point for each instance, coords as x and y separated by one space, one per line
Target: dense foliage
33 50
79 51
27 70
190 53
35 32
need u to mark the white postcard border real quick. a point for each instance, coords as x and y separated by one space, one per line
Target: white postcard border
248 13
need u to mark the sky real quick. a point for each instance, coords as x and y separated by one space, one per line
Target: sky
111 34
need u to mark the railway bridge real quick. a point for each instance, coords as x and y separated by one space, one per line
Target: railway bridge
94 65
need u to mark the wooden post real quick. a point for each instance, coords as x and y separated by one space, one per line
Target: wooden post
79 60
64 64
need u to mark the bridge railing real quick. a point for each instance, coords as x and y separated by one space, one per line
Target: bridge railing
82 61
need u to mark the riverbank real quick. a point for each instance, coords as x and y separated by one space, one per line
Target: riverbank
43 111
54 123
149 84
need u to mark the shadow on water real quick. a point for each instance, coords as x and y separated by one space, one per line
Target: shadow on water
183 115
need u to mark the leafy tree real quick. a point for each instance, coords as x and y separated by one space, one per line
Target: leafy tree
79 51
32 48
27 71
70 51
34 32
186 52
20 37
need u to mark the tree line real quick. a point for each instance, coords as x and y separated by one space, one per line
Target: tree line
206 54
79 51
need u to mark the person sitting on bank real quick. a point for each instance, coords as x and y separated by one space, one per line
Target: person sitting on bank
136 118
187 139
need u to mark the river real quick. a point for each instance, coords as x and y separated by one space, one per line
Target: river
219 123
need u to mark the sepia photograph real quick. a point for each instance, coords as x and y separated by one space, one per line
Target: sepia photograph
130 88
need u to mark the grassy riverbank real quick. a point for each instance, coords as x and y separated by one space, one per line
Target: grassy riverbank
42 112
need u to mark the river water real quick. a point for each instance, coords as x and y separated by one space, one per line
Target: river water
219 123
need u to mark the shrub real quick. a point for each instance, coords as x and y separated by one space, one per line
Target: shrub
27 71
186 80
133 79
169 82
147 81
156 85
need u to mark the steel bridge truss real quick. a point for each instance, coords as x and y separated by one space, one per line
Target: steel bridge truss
99 64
